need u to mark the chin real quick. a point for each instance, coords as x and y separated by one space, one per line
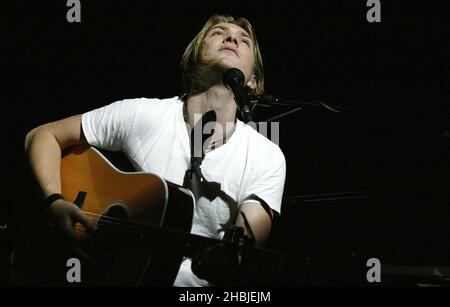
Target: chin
229 62
223 66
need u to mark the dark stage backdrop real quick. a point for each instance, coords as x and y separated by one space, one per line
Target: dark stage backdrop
396 149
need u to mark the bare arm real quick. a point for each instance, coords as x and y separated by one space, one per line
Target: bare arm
44 145
220 264
259 221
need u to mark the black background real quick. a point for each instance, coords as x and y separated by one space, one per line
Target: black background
397 149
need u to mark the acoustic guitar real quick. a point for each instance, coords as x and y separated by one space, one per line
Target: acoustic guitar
143 224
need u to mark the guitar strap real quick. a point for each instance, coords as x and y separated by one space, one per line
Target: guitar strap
194 176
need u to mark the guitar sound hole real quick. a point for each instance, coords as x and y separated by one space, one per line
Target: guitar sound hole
109 237
118 212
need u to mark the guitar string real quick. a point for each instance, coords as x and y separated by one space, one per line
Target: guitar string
118 224
104 219
114 224
104 226
83 230
116 221
108 225
113 229
110 229
138 228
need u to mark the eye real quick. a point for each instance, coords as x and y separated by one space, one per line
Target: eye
214 33
246 41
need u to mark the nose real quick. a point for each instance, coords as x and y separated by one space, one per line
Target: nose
230 38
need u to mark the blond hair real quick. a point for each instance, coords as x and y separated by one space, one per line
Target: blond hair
191 61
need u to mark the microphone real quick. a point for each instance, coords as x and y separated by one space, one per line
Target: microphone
233 78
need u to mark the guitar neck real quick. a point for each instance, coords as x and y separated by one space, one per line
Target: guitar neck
266 262
176 242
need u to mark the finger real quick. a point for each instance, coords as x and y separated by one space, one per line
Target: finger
66 227
84 220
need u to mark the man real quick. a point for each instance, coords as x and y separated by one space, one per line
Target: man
152 133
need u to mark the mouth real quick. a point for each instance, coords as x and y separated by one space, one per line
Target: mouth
229 49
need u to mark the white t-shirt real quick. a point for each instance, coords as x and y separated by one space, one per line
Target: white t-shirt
154 136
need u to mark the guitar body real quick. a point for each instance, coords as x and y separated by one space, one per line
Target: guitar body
143 231
118 201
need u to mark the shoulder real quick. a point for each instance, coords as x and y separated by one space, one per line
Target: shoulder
149 108
133 111
148 113
131 105
156 103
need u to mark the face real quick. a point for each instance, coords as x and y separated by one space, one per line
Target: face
233 47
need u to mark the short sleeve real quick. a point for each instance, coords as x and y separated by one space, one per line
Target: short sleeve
267 182
109 127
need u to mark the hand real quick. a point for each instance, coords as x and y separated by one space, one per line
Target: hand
219 264
65 214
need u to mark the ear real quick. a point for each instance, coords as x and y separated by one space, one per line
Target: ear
252 83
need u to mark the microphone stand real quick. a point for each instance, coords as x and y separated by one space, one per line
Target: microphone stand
268 101
283 114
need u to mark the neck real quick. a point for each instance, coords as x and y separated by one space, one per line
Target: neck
216 98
